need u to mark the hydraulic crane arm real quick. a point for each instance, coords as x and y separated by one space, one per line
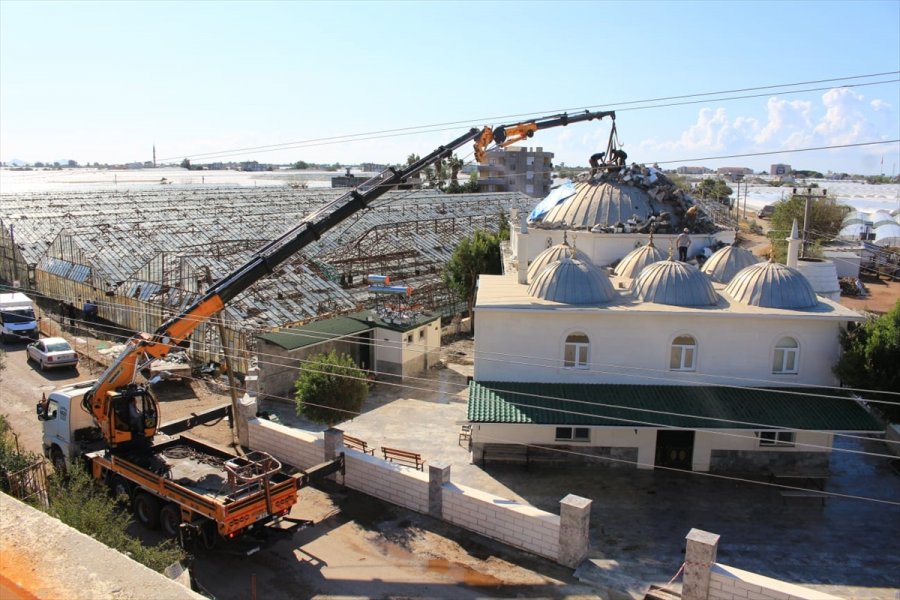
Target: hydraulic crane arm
111 397
505 135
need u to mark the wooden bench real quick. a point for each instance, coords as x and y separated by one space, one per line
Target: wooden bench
358 444
465 434
412 459
785 494
517 453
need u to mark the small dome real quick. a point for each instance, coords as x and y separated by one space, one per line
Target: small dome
551 255
635 261
572 281
772 285
675 283
725 263
881 217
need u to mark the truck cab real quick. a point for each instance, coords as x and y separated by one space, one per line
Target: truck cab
68 430
17 320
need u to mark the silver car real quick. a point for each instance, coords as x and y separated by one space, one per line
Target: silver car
52 352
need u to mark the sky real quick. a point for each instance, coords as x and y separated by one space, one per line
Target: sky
104 82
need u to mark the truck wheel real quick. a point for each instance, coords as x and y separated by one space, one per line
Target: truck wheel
146 510
121 489
58 460
170 520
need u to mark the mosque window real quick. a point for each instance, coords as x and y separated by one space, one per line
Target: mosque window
684 354
577 351
786 357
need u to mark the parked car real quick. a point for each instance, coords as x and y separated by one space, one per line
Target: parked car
766 212
52 352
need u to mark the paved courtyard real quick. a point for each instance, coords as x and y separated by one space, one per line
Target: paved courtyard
639 519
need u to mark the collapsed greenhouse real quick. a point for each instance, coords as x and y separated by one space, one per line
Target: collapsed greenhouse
142 256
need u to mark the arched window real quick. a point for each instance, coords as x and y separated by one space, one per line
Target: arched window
684 354
577 351
787 356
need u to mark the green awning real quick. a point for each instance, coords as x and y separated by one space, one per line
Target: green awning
690 407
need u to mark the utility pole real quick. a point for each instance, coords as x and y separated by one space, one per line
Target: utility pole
807 211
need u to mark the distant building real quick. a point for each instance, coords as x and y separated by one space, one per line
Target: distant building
346 180
372 167
524 170
692 170
734 171
779 169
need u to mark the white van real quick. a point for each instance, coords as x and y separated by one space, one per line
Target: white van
17 320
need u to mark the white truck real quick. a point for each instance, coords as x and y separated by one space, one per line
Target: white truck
17 320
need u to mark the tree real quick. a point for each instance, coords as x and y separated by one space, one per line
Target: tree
475 255
825 220
300 164
330 389
715 189
455 164
186 164
871 353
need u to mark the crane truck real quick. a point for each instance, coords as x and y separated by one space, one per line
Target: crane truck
193 490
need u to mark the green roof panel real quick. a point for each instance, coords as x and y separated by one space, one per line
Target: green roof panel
316 332
691 407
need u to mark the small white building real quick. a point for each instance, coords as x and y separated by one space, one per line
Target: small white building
663 368
387 349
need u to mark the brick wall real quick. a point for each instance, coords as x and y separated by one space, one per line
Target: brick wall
728 583
518 525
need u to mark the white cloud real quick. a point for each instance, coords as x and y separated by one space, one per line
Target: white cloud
843 116
784 118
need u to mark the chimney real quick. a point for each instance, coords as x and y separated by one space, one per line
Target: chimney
793 247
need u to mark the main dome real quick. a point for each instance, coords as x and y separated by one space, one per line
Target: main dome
571 281
726 262
605 203
551 255
772 285
674 283
635 261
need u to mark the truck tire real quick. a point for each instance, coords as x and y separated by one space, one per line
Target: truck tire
121 489
170 520
58 460
146 510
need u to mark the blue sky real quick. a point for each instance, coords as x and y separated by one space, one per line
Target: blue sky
105 81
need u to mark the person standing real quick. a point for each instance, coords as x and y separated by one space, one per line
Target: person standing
683 242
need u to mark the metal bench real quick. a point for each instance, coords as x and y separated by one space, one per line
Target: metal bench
358 444
412 459
465 434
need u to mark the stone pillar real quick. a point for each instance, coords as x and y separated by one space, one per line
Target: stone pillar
438 475
334 443
699 557
574 525
247 406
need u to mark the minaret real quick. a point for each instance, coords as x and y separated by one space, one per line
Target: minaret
793 252
154 156
522 248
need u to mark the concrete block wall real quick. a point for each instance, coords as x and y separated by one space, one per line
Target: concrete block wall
291 446
705 579
403 486
518 525
729 583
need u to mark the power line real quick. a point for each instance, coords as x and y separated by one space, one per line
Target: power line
446 124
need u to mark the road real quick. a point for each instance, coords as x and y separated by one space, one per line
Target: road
21 387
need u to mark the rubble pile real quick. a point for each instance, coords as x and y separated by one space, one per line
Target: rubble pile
672 208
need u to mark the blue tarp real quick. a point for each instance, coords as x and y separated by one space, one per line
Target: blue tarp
556 196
